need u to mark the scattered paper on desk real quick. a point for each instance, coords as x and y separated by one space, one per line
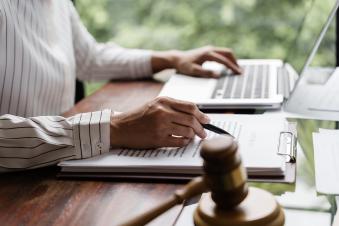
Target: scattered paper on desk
326 161
336 217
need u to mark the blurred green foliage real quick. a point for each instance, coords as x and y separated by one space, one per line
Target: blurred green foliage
253 28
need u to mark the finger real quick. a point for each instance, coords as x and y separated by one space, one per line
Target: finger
213 56
189 121
227 53
173 141
190 109
183 131
199 71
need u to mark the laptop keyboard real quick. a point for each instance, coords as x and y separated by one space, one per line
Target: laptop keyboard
254 83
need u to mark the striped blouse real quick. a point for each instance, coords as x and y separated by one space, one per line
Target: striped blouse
43 48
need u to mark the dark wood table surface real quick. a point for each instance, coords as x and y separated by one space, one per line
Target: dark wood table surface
37 197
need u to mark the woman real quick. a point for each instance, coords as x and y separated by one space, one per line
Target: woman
44 48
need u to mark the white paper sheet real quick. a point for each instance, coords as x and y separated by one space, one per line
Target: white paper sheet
258 137
336 217
326 160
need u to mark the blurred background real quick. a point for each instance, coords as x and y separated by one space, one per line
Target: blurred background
252 28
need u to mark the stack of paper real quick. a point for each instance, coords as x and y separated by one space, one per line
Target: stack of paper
258 137
326 160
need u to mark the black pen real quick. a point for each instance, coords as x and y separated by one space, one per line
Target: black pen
216 129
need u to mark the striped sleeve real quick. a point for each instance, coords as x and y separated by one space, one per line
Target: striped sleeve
27 143
103 61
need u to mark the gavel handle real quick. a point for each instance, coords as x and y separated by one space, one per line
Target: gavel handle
192 189
153 213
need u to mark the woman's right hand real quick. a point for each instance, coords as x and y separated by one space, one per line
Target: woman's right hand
163 122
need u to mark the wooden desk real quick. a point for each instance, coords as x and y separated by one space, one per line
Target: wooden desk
37 197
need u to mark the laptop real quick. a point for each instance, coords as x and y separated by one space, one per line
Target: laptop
264 84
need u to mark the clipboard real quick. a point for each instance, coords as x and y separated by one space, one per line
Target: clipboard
288 178
286 147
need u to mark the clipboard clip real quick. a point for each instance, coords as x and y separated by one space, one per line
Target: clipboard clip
287 146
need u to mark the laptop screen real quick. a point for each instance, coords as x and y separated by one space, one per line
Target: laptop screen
302 50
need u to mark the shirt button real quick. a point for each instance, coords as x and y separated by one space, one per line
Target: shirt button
99 146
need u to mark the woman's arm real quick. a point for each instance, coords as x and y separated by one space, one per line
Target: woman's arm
104 61
27 143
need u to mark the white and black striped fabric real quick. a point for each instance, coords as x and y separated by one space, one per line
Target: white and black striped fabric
43 48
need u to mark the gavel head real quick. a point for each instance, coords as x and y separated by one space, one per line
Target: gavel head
224 173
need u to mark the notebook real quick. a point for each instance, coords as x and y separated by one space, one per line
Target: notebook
260 143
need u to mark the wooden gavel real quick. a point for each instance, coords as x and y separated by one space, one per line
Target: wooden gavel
230 202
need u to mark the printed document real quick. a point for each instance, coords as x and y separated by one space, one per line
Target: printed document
257 135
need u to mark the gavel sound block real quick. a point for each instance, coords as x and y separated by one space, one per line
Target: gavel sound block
230 202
